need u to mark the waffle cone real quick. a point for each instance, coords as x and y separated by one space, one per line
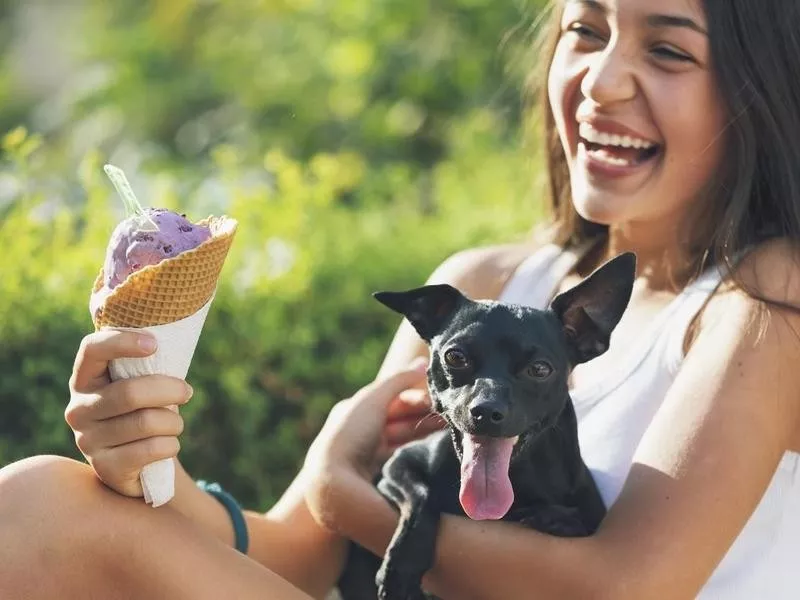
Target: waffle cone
172 289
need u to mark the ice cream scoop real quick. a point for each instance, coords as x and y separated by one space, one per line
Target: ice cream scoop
131 248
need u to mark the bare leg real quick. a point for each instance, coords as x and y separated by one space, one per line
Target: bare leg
65 535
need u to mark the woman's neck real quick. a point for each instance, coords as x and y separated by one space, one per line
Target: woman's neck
662 258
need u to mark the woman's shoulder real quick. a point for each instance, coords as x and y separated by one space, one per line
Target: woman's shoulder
483 271
763 285
770 270
752 324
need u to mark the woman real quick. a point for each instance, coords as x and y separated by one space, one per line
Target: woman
670 130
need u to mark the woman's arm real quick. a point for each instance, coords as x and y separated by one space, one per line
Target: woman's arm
700 471
286 539
289 542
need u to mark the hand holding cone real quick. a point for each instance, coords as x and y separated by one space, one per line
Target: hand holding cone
170 299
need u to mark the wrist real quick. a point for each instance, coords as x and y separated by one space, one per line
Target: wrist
201 508
241 539
294 508
348 505
188 499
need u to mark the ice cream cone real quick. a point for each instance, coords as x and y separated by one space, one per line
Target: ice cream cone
171 290
170 300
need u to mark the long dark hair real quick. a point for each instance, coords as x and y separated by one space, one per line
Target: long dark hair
755 196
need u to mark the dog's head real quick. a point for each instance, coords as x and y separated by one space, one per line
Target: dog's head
499 372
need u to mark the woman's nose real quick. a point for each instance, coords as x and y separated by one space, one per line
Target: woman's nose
610 76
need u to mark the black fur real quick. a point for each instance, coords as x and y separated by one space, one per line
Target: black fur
496 371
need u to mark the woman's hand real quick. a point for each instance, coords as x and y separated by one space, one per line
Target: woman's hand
348 446
122 426
409 417
356 428
344 458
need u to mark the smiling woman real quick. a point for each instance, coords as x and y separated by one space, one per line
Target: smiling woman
671 133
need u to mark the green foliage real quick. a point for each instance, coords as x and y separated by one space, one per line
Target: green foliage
388 77
357 143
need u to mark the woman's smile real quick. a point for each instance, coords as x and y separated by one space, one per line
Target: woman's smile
607 150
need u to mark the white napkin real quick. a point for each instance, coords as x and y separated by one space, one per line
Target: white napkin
176 345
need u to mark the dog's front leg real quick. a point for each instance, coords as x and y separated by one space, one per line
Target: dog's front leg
411 480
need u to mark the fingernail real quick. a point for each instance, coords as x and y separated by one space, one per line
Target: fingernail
147 343
189 392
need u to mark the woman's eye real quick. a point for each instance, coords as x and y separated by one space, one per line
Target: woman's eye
456 359
539 370
584 32
670 54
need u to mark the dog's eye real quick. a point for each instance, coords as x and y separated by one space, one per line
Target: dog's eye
456 359
539 369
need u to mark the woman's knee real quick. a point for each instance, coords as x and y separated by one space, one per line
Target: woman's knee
45 498
44 505
42 483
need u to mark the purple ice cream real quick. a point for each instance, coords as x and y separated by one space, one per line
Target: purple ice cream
131 248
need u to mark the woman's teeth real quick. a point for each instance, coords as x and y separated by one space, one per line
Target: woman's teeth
616 150
590 134
602 155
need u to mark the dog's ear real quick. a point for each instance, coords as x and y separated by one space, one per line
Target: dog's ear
427 308
591 310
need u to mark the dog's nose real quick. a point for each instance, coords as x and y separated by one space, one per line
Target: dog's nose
488 412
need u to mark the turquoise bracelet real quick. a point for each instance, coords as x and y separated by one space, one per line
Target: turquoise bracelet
241 539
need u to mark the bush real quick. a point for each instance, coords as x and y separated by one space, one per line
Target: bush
293 327
357 143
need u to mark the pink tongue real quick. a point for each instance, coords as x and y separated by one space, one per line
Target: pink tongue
486 491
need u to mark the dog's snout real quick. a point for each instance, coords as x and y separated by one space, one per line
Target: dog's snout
488 412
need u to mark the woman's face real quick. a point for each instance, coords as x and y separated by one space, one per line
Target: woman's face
636 108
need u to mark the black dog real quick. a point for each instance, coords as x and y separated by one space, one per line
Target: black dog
498 374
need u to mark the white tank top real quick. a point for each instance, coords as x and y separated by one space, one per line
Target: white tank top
614 413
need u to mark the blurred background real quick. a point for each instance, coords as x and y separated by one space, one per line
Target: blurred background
358 143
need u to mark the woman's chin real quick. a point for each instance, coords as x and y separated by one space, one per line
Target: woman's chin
602 211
